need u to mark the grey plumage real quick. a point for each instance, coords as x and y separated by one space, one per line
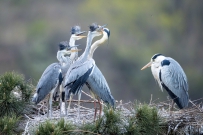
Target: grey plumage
81 66
99 87
45 85
96 81
81 69
173 79
50 80
50 77
170 76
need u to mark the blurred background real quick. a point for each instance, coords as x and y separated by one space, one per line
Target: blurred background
31 30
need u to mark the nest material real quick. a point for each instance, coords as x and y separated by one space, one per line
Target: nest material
187 121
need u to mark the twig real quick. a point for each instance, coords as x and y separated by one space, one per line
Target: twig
26 128
27 117
88 95
195 106
83 101
176 127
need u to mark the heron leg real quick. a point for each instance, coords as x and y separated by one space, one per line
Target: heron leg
50 103
71 96
60 97
100 108
65 102
48 106
171 108
49 112
95 112
79 97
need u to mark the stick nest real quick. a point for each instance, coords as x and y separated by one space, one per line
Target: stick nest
186 121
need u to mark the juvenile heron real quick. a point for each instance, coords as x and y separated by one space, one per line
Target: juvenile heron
96 82
75 35
79 71
51 78
170 76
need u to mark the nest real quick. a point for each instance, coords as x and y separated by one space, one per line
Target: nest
187 121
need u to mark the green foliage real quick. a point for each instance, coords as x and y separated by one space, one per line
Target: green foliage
110 123
7 124
90 128
60 128
132 128
15 93
144 121
148 119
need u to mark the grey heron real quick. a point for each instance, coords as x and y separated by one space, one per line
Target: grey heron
96 82
170 76
51 78
79 71
75 35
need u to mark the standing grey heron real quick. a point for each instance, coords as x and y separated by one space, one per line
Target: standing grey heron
75 35
170 76
96 82
80 70
51 78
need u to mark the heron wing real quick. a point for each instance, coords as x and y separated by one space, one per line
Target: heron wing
49 80
77 75
174 78
99 86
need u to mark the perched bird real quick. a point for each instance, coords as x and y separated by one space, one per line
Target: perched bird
170 76
76 34
51 78
96 82
79 71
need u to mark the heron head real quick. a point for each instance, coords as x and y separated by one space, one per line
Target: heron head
63 45
155 60
76 33
95 29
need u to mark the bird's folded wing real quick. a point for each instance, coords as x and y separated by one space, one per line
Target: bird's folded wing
174 78
99 86
77 70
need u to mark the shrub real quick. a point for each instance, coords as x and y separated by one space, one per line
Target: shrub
109 124
59 128
7 124
15 93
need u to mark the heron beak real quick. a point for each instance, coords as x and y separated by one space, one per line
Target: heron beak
104 25
81 36
146 66
101 27
80 33
75 50
68 48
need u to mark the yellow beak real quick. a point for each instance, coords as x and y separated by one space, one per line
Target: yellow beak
82 36
146 66
75 50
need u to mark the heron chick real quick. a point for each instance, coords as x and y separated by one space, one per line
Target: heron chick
51 78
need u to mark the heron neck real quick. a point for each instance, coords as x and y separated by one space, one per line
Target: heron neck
73 55
96 44
61 58
88 45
